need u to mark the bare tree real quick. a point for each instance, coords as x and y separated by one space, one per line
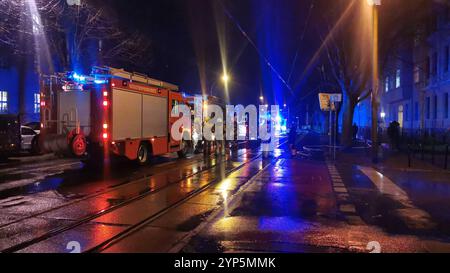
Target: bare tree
348 46
71 33
348 51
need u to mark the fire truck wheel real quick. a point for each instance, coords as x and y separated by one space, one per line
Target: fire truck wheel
78 145
143 154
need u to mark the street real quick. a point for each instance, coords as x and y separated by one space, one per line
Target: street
238 202
219 135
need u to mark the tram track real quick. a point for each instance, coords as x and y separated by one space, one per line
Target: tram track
135 227
118 186
97 214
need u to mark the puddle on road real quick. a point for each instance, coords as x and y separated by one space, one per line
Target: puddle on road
193 222
275 206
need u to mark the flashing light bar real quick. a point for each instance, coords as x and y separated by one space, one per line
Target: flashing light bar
99 81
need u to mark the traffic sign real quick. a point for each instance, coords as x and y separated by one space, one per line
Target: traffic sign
327 101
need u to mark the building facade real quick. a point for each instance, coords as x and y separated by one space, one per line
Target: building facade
416 79
19 91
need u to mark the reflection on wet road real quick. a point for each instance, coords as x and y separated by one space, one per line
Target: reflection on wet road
24 219
243 202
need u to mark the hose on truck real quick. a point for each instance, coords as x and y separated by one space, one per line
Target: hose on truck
72 145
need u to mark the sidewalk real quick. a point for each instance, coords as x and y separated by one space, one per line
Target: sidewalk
390 160
27 158
398 198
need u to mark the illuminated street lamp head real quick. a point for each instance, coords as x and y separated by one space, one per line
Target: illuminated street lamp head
225 78
374 2
261 98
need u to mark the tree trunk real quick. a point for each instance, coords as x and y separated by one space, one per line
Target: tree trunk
347 122
374 131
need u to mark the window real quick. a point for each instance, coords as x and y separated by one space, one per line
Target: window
446 105
28 132
416 111
37 103
386 84
3 101
435 104
416 74
400 115
175 104
397 78
428 107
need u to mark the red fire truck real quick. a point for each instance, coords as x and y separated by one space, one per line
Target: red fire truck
110 112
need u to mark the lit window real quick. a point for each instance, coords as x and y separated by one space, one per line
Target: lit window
3 101
397 78
37 103
386 84
416 74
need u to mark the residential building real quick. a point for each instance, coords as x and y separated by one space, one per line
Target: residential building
416 80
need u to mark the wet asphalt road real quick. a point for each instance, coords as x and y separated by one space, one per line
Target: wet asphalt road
315 205
237 203
78 198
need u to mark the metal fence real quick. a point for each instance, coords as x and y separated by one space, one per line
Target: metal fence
430 145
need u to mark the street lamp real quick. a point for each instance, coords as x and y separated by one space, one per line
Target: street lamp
225 78
261 98
374 4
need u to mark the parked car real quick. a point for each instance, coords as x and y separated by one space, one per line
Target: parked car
9 135
27 135
36 126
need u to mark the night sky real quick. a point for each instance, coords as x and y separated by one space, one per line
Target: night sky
188 38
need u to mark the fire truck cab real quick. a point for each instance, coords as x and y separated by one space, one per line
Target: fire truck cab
110 112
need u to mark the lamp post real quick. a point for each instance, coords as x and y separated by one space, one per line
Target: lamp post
374 4
225 79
